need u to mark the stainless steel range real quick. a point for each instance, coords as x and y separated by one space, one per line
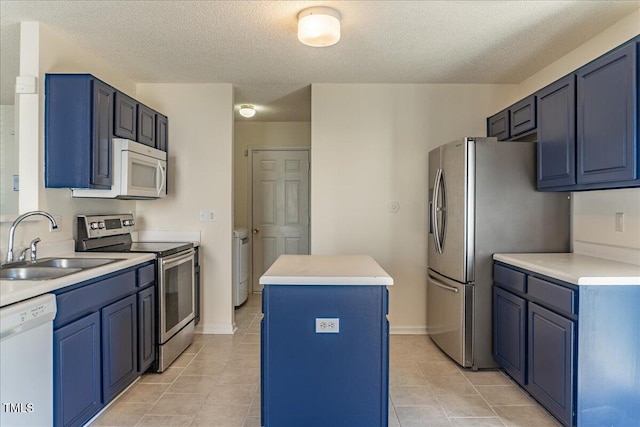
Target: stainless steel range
175 308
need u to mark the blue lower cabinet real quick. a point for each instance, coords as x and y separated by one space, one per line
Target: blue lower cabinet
509 333
77 379
316 379
551 361
119 346
146 329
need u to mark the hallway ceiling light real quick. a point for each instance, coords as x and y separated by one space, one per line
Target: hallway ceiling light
319 26
247 110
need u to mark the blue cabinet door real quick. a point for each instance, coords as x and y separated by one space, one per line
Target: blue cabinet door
119 346
76 375
498 125
146 328
522 116
146 126
124 116
606 118
556 134
162 132
509 333
551 360
78 120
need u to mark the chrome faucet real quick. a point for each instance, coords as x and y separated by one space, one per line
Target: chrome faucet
12 230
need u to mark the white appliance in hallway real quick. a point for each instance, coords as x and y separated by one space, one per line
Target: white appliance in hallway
240 266
26 362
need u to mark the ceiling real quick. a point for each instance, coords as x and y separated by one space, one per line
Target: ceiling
253 44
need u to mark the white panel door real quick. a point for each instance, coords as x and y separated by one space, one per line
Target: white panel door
280 207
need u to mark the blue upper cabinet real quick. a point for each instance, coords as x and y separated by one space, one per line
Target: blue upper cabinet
146 126
557 134
162 132
607 148
78 130
498 125
588 125
125 118
514 122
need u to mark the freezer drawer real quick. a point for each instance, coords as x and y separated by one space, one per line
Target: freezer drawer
449 314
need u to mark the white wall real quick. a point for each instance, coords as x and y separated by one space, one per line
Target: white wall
256 135
594 212
50 51
8 161
370 144
200 177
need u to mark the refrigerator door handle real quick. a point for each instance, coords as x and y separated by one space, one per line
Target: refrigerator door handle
435 209
443 286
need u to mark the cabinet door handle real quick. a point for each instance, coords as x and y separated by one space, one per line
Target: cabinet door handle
256 230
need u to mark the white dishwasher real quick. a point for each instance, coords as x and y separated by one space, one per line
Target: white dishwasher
26 362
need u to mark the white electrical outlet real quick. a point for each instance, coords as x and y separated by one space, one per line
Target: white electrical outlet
327 325
204 216
212 215
620 221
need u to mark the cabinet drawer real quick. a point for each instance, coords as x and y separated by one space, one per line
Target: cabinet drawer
555 296
146 275
507 278
75 304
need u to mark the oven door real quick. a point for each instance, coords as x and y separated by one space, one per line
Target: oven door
176 293
142 176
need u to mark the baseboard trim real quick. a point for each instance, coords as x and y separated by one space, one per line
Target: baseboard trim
408 330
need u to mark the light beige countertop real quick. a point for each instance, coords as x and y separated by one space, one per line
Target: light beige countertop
12 291
326 270
575 268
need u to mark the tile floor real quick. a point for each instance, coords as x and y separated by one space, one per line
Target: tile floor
215 383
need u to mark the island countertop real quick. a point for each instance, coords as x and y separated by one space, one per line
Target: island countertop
360 270
575 268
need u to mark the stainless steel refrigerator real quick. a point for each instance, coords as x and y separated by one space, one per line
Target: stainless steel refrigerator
482 200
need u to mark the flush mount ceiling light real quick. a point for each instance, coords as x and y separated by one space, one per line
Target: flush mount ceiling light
319 26
247 110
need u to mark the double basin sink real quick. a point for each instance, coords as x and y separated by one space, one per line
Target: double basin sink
50 268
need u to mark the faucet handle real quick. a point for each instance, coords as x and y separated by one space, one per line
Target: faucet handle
34 249
23 253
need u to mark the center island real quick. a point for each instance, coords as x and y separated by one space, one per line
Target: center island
325 342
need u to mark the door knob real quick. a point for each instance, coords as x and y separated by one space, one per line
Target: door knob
256 230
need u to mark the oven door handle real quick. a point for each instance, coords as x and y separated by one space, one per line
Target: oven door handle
180 258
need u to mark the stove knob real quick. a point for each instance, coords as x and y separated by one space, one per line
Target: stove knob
101 225
128 222
94 225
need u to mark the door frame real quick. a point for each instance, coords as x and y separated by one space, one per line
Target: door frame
251 150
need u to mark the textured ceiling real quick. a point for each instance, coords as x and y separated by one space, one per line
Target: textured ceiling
253 44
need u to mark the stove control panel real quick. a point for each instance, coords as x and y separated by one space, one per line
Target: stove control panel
93 226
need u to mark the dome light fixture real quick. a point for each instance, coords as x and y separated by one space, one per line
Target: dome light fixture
319 26
247 110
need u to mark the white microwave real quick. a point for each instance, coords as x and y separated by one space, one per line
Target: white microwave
139 172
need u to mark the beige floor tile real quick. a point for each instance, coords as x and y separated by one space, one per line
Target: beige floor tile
250 338
165 420
525 416
465 406
221 416
167 377
453 384
227 394
178 404
246 348
439 369
244 376
194 384
122 414
477 422
406 376
252 422
194 348
412 395
487 377
199 367
144 393
393 421
430 356
183 360
504 395
422 416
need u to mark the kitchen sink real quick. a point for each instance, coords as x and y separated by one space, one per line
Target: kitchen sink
50 268
82 263
35 273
